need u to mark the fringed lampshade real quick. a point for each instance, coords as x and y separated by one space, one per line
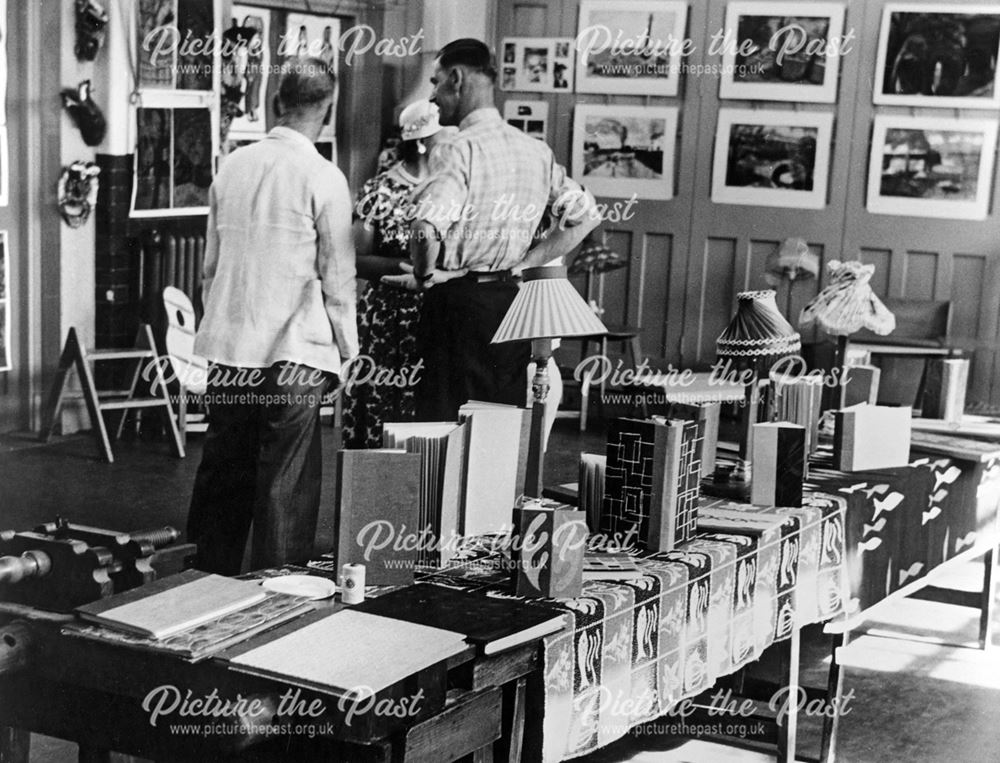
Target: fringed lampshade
848 304
758 336
546 307
596 257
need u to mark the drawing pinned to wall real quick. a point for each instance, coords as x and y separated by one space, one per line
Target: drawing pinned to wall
245 66
782 51
630 48
938 55
531 117
625 150
537 64
5 361
772 158
932 167
173 161
316 37
165 63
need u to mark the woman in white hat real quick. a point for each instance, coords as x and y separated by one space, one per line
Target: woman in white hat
387 314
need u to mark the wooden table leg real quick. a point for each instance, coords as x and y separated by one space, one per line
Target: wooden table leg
15 745
834 694
788 728
986 600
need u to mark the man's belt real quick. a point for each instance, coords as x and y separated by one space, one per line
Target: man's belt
490 276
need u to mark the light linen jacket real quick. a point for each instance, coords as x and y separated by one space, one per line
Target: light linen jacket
279 260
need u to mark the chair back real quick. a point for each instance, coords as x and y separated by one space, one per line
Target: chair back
190 369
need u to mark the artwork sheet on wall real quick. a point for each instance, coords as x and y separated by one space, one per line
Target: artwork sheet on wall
315 36
5 361
537 64
942 55
932 166
530 117
782 51
772 158
625 151
630 47
164 64
173 161
246 69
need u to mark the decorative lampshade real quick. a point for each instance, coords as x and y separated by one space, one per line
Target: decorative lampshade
848 304
792 261
595 257
758 335
547 306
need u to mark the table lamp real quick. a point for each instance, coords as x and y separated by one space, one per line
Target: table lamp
546 307
756 339
847 305
595 257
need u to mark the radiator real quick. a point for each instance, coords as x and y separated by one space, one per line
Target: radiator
171 260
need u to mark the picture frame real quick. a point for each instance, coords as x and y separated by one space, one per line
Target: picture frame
938 167
530 117
174 160
5 360
536 64
657 30
625 151
961 72
782 51
772 158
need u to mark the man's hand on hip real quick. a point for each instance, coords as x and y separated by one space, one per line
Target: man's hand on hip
412 283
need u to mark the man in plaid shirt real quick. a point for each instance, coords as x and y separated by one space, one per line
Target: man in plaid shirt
480 211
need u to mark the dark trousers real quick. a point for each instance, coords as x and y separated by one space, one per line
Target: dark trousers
457 321
261 465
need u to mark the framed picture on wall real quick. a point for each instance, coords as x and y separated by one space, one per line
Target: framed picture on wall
938 55
625 151
245 68
537 64
173 160
772 158
164 61
531 117
5 362
782 51
630 47
932 167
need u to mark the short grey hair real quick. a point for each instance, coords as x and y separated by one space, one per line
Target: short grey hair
305 82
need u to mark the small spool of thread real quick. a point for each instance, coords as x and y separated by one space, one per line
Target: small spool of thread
352 583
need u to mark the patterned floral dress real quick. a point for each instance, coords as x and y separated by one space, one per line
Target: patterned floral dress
387 316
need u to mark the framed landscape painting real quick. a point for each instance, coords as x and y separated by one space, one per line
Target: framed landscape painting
782 51
938 55
932 167
630 47
625 150
772 158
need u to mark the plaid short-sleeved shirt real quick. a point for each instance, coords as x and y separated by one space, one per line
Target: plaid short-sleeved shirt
487 191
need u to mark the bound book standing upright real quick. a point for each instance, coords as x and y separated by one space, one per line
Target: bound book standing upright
496 461
778 458
378 503
441 447
590 489
872 437
492 624
652 481
173 604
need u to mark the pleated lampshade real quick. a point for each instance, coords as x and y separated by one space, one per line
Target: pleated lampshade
791 261
848 304
758 336
547 306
